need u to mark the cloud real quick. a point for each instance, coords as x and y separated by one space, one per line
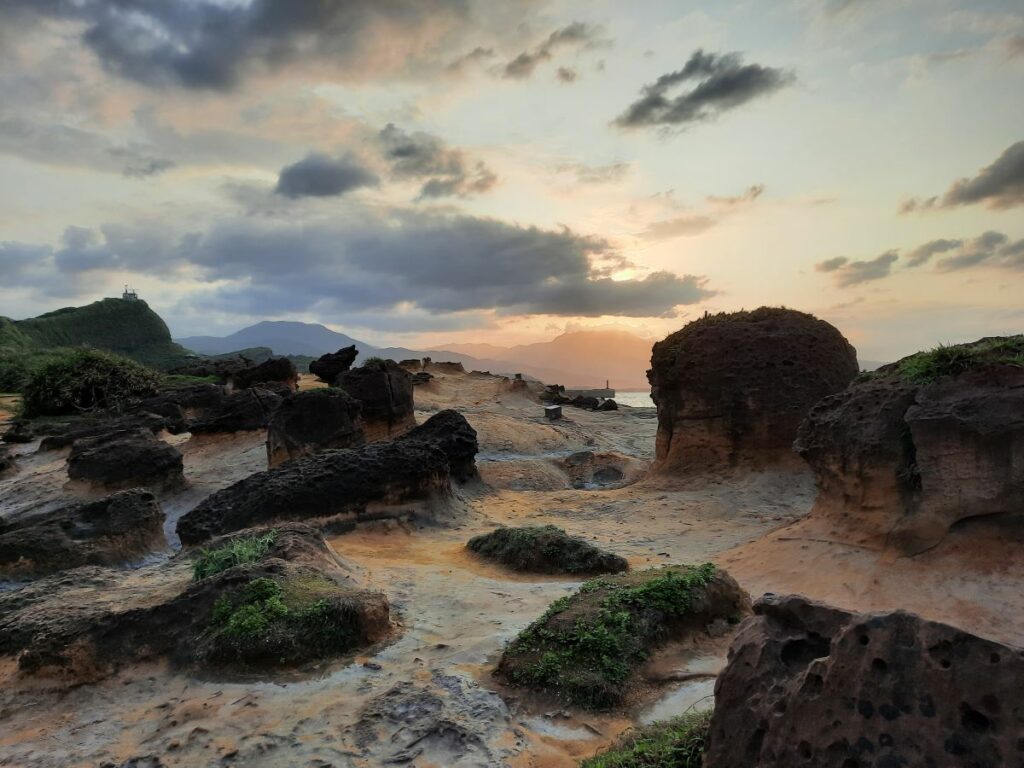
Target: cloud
999 186
215 45
692 224
723 83
1015 46
574 35
990 248
319 175
924 253
359 263
594 174
447 171
849 273
567 74
753 192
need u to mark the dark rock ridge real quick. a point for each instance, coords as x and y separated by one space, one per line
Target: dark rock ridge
898 462
808 684
328 367
57 625
312 421
120 528
384 389
244 410
545 549
126 459
732 389
338 488
7 460
241 373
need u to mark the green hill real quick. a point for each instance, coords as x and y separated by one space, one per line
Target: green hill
128 328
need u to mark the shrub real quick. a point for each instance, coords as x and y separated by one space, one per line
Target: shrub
237 552
84 380
544 549
585 647
14 372
676 743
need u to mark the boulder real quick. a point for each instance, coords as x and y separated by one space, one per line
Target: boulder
444 366
411 364
586 649
421 377
545 549
899 459
808 684
327 367
608 404
6 459
288 603
338 488
20 431
115 530
732 389
99 425
585 401
384 390
278 370
126 459
312 421
246 409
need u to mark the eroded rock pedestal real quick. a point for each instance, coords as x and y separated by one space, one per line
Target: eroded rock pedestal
808 684
732 389
384 390
900 462
126 459
313 421
328 367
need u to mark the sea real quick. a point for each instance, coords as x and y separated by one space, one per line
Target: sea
640 398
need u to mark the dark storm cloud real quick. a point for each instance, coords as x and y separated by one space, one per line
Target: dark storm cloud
574 35
999 185
924 253
447 172
319 175
205 44
849 273
723 82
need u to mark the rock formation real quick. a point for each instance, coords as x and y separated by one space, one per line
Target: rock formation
732 389
384 390
298 602
6 459
545 549
312 421
278 370
114 530
126 459
246 409
338 488
808 684
328 367
910 450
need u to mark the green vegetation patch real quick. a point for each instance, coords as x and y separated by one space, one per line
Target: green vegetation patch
545 549
955 359
282 622
586 646
85 380
676 743
236 552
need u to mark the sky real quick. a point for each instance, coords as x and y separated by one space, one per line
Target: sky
412 172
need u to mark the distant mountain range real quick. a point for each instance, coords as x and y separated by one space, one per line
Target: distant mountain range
581 358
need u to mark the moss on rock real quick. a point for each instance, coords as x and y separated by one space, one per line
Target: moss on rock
545 549
586 647
677 743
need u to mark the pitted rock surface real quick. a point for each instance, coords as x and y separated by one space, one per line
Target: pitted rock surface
900 463
732 389
809 684
313 421
117 529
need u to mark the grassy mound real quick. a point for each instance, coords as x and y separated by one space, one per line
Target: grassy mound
545 549
676 743
954 359
586 647
84 380
238 552
281 622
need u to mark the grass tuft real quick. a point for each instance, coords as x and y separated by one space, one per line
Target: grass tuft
676 743
586 646
237 552
953 360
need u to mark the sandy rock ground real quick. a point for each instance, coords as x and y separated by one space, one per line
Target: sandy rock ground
427 698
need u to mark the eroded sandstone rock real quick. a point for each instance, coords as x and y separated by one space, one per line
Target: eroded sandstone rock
120 528
328 367
244 410
337 488
384 390
313 421
900 459
303 604
732 389
808 684
130 458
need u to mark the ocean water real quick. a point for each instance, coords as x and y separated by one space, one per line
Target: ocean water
637 399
